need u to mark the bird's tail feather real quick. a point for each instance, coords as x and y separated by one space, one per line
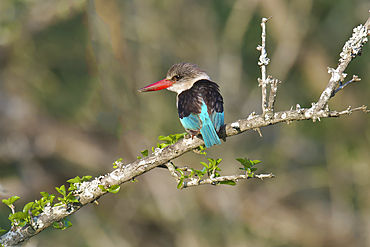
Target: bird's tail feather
209 135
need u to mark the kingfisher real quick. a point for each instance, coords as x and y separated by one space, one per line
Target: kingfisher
199 102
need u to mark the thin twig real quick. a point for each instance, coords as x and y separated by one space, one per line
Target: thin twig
349 111
273 91
342 86
263 62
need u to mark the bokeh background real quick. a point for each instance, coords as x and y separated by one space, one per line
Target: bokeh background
69 74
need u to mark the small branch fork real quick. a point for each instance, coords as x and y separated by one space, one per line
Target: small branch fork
342 86
351 49
89 192
211 180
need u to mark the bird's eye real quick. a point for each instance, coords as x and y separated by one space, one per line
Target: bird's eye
175 78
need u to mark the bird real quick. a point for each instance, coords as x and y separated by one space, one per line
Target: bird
199 102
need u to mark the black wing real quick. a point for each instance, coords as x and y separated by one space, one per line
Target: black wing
211 95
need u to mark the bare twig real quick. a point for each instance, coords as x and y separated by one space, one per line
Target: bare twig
274 84
263 62
267 107
233 178
342 86
349 111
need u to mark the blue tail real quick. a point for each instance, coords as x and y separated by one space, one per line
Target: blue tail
209 135
208 131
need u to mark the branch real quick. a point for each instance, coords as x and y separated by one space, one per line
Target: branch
351 49
88 192
211 180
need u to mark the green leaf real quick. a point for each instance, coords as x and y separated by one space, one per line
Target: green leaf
27 207
36 212
138 157
240 160
181 172
78 180
171 139
57 225
67 223
115 164
47 199
145 153
165 138
204 171
72 187
179 136
230 182
179 185
2 231
202 149
204 164
114 189
102 188
75 180
44 194
61 190
22 223
211 161
71 198
18 216
199 173
63 224
212 164
10 200
86 178
247 163
52 196
255 162
162 145
192 173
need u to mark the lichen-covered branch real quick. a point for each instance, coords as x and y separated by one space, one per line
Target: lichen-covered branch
351 49
88 192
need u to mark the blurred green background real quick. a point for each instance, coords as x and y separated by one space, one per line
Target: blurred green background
69 74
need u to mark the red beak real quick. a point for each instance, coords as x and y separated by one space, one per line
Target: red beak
159 85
